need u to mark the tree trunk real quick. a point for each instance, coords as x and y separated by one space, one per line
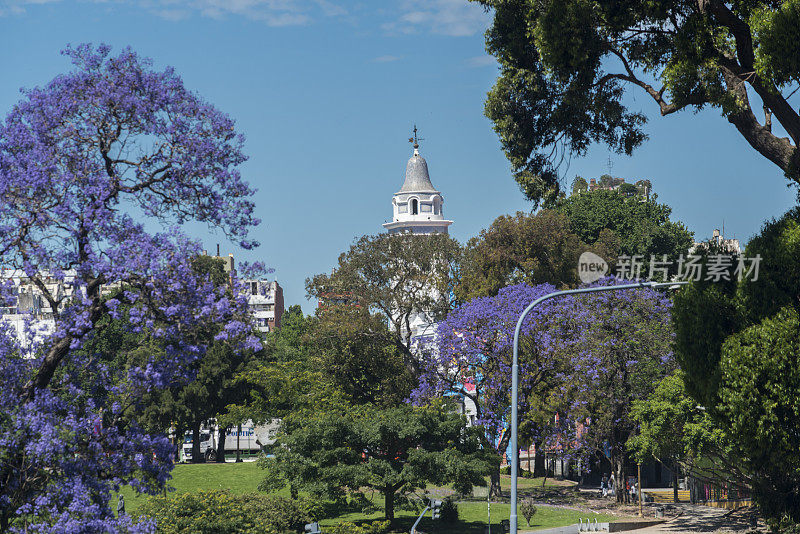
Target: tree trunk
529 459
674 482
388 504
196 456
221 445
494 487
538 461
619 484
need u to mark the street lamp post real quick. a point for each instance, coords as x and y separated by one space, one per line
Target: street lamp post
515 374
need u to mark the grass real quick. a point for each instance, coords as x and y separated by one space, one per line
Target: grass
244 478
473 518
236 478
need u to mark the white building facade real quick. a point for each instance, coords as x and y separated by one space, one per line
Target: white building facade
265 301
418 206
24 306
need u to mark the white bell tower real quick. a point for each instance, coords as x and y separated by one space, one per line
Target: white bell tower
417 207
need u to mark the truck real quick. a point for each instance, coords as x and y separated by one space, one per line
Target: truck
250 442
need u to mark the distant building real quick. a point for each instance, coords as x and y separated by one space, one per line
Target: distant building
418 207
23 302
265 301
264 297
730 246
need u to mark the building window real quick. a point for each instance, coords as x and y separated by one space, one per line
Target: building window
254 288
414 208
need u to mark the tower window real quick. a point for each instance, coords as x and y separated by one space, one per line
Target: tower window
414 207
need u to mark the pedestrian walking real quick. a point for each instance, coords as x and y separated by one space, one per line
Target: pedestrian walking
611 484
604 486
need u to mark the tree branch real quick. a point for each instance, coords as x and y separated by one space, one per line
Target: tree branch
665 107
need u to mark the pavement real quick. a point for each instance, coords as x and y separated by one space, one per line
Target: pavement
698 518
690 518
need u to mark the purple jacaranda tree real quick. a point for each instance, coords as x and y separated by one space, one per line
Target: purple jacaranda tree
582 361
473 357
620 350
89 164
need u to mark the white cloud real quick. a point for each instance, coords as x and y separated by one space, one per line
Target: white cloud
446 17
481 61
271 12
385 59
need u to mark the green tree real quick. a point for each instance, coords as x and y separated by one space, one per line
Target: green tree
679 433
566 65
396 275
394 451
759 410
579 185
526 248
737 344
344 355
643 227
357 355
662 420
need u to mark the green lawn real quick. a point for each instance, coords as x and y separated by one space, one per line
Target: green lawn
244 477
237 478
473 518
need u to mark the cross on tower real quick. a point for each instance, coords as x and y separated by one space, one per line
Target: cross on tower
415 139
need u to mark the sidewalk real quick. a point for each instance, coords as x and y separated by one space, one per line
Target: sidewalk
698 518
692 518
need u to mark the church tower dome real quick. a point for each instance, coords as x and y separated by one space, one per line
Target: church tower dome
417 207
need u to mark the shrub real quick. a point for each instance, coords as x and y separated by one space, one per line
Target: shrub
219 512
376 527
528 510
449 512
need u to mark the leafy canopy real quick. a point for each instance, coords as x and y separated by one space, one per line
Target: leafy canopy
566 65
80 157
392 450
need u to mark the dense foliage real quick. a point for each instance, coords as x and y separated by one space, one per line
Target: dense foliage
640 226
737 345
391 450
544 247
78 156
566 66
217 512
526 248
583 361
396 275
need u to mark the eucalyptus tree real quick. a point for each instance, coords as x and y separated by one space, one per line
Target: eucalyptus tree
567 66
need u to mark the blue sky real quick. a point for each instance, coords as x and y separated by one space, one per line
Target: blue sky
327 92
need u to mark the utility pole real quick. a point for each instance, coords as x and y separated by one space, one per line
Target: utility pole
238 435
639 485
